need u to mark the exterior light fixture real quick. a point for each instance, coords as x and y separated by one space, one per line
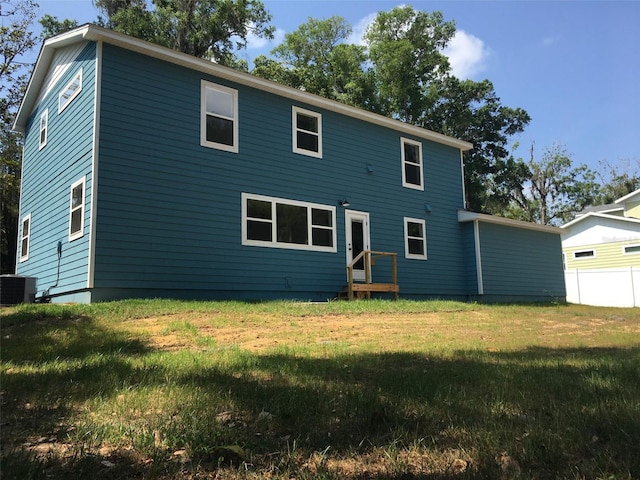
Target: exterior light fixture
344 202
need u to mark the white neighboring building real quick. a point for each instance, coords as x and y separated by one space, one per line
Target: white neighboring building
601 254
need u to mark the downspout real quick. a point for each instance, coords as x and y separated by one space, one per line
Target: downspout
94 165
476 234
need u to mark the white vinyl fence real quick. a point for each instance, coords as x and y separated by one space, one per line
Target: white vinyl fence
607 287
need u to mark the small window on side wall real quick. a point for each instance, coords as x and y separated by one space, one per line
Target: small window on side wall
307 132
76 210
411 152
44 127
632 249
70 91
219 117
582 254
415 238
24 238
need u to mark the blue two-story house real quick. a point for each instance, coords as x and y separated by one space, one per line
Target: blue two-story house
151 173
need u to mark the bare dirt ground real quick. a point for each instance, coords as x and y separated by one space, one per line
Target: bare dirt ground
381 331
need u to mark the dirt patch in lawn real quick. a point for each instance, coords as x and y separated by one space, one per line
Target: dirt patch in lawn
381 332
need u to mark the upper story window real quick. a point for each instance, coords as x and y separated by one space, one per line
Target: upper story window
70 91
415 238
307 132
411 164
24 238
219 117
44 122
281 223
76 210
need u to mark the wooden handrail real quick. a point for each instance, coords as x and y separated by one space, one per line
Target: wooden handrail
369 257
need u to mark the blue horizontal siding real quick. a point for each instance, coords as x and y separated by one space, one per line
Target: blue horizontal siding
169 213
47 176
469 252
521 263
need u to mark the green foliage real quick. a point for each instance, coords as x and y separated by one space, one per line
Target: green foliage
52 26
550 190
211 29
618 180
16 40
405 47
316 59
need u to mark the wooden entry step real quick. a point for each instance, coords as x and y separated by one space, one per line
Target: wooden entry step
364 290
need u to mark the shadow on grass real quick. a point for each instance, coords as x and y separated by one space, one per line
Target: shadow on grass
556 413
50 363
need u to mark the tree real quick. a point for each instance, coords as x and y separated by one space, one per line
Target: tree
549 191
52 26
618 180
405 48
316 59
211 29
16 40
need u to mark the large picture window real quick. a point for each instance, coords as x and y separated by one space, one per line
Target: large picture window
219 117
411 164
415 239
281 223
70 91
76 210
24 238
307 132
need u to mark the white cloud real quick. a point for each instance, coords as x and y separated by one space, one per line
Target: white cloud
360 28
257 43
467 54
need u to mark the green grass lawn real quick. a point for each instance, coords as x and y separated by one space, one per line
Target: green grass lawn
360 390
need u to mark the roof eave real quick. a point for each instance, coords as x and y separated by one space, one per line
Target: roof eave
467 216
95 33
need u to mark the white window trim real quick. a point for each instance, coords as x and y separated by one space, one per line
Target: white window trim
44 115
274 243
624 249
24 257
204 85
404 140
294 122
588 257
64 102
79 233
407 254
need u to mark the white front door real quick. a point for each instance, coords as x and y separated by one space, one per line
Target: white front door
357 239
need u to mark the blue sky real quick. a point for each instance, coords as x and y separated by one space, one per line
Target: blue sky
574 66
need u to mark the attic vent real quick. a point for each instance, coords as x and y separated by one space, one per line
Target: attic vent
15 289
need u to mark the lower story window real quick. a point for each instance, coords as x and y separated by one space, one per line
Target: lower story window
76 210
24 238
415 239
281 223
